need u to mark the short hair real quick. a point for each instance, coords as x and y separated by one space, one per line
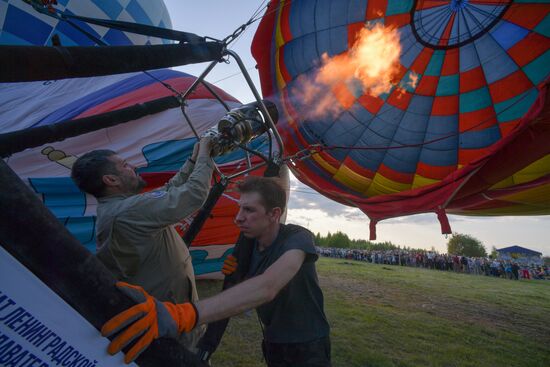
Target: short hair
272 194
88 170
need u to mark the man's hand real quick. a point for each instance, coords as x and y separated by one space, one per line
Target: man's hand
153 319
206 145
229 265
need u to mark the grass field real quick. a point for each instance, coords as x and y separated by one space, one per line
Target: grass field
384 315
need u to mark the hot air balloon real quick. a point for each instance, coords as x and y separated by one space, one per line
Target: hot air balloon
158 143
462 126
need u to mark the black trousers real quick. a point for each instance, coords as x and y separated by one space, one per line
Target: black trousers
315 353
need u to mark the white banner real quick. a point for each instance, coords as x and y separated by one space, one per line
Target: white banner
37 328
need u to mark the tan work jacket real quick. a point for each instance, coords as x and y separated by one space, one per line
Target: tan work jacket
137 240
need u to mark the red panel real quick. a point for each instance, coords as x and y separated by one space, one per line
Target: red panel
472 79
427 4
526 15
444 38
450 63
529 48
398 76
330 159
427 85
422 60
285 22
376 9
477 120
445 106
261 48
400 98
434 172
506 128
405 178
509 87
153 91
398 20
357 168
353 33
467 156
371 104
343 95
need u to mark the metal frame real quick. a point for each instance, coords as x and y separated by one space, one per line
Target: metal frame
276 154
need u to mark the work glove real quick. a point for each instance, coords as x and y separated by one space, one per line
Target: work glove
229 265
150 319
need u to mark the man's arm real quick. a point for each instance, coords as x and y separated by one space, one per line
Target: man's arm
252 292
154 319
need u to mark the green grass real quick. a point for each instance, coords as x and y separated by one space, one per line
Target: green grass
384 315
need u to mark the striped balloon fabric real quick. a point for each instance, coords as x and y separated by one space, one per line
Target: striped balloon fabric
463 127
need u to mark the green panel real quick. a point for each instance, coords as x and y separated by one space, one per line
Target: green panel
398 7
475 100
516 107
537 70
544 26
447 86
436 62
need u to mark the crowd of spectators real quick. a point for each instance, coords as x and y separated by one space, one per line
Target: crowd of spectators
444 262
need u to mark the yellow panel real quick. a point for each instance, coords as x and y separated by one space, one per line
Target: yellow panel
531 172
421 181
324 164
280 80
278 35
535 201
352 179
279 41
382 185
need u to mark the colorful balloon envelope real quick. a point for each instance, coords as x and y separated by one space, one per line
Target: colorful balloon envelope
463 127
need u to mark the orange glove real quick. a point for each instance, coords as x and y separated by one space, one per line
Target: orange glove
229 265
153 319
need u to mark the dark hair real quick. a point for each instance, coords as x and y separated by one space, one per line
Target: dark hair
88 170
272 194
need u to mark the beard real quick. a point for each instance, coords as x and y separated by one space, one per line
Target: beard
134 185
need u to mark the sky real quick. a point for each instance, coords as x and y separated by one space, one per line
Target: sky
218 19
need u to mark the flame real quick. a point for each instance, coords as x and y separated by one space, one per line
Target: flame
373 61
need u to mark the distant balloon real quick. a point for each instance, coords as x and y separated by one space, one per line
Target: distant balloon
22 25
458 122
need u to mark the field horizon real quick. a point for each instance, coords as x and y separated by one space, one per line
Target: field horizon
383 315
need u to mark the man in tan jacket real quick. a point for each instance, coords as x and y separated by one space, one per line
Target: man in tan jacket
136 239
